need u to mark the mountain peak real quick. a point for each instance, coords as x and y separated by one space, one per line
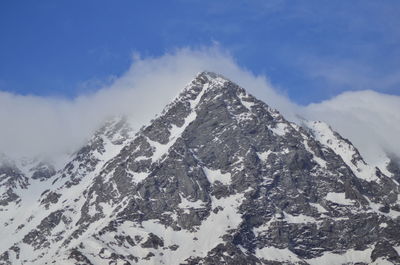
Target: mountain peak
210 80
207 75
218 178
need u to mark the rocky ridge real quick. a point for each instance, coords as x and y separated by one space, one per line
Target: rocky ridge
218 178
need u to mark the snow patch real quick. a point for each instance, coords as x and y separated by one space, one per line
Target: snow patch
217 175
376 206
349 257
317 159
176 132
326 136
139 176
203 239
277 254
280 129
338 198
245 103
263 156
319 207
298 219
186 204
383 225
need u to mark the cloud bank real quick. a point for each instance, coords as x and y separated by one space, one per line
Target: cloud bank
370 120
32 125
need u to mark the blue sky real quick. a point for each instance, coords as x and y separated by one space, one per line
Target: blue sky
310 50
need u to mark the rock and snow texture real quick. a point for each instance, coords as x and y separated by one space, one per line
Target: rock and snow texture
218 178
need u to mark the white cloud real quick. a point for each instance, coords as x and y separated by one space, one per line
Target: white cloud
36 125
33 125
370 120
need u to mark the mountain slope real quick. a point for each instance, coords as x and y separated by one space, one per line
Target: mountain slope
218 178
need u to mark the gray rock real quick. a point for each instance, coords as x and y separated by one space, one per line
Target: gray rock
215 143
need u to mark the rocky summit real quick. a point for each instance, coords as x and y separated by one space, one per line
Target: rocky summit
218 177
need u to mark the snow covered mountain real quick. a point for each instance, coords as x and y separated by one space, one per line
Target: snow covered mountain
218 178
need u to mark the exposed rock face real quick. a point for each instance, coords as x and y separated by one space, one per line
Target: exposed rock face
11 178
394 167
218 178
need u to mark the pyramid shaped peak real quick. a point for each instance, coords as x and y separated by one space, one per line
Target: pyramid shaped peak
210 85
211 81
207 76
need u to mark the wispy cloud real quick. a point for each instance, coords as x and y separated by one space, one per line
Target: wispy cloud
33 125
39 125
371 120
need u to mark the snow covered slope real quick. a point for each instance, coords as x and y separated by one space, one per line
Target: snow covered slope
218 178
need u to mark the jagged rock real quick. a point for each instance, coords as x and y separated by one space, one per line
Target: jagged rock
43 171
384 249
153 241
218 178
